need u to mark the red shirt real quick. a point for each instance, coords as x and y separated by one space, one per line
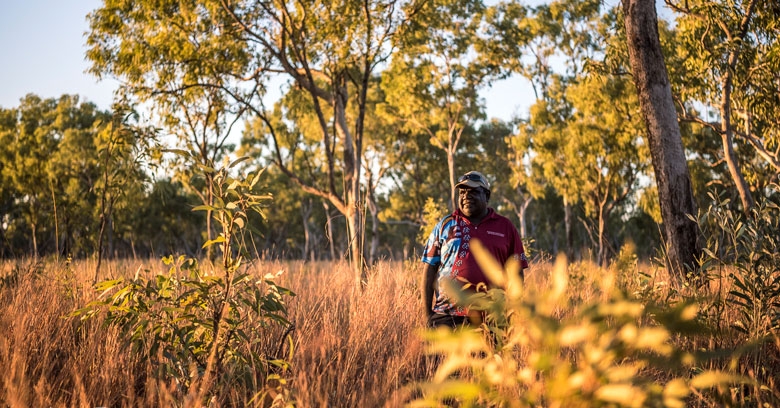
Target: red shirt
449 247
496 234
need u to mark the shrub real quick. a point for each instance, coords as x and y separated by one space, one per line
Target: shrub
612 351
750 245
202 327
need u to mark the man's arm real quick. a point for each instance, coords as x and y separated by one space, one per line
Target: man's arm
429 287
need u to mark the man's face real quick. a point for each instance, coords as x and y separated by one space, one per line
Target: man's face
472 201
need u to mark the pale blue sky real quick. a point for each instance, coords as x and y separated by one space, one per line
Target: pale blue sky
42 46
42 51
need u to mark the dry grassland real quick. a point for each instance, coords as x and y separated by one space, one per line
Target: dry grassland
352 348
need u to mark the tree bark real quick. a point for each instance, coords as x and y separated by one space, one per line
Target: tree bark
306 210
569 231
329 231
727 139
668 156
374 210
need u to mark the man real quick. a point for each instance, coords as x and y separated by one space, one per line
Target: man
448 255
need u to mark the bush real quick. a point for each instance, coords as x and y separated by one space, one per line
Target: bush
750 245
203 328
611 351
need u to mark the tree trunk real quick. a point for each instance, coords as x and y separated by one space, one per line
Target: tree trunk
56 223
602 233
451 170
34 231
374 210
306 209
355 234
521 216
105 211
353 151
329 230
210 253
727 138
568 229
520 210
666 149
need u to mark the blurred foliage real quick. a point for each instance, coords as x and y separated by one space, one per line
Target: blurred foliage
612 350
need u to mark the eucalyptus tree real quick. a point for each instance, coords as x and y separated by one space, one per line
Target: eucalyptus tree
57 164
329 50
383 133
171 62
414 176
8 118
549 45
608 132
32 145
733 58
663 135
122 149
35 135
295 134
74 173
433 81
593 153
510 174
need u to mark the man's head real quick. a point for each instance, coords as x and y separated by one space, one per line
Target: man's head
473 194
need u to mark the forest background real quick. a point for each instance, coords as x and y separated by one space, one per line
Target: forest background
573 172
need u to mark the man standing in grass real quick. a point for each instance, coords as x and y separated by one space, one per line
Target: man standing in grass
448 254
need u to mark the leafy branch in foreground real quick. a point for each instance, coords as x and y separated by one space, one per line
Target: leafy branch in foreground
206 327
614 351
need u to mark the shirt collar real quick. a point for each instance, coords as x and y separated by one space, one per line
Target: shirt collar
457 214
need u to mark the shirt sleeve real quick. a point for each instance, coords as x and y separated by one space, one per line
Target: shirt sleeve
432 251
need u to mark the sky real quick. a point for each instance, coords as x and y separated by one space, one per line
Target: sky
42 45
42 48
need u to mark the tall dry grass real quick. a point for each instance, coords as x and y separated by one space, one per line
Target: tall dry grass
53 360
352 347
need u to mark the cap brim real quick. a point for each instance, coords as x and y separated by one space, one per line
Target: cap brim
469 183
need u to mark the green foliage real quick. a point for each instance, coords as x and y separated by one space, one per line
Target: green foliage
586 144
722 67
433 212
63 160
189 320
611 351
204 326
750 244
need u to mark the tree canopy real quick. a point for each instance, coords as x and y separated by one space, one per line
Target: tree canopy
363 114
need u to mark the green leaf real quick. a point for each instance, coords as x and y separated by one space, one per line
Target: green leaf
206 169
237 161
211 242
203 208
183 153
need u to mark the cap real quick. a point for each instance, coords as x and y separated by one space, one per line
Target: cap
473 179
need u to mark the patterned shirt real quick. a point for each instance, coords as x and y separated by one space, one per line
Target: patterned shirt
448 247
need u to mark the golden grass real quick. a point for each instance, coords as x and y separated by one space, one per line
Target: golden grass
352 347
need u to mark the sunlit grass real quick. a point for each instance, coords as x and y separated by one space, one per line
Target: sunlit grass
351 347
